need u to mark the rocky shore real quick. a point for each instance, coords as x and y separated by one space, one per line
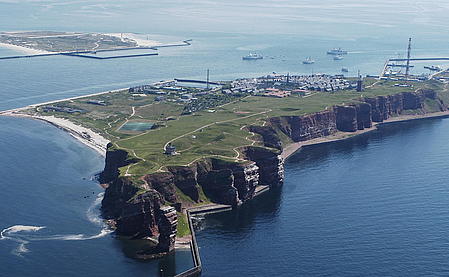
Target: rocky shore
144 207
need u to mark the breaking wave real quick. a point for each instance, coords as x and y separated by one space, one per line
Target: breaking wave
21 233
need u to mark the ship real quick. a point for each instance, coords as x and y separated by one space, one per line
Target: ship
309 60
399 65
338 58
337 51
252 56
344 69
433 68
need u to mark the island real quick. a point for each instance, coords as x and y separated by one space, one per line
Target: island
82 45
173 148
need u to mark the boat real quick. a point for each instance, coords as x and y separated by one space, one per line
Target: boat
433 68
338 58
337 51
344 69
399 65
252 56
309 60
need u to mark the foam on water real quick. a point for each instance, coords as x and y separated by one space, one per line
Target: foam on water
15 233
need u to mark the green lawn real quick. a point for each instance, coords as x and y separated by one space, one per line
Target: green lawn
205 134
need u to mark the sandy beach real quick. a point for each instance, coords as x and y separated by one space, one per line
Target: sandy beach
25 50
292 148
80 133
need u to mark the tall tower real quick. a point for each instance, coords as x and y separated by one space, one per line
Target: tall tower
359 82
409 50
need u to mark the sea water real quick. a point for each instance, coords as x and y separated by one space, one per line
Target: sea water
376 204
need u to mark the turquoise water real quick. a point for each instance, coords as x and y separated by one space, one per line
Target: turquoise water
136 126
375 205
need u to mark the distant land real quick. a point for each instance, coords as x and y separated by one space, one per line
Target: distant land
34 42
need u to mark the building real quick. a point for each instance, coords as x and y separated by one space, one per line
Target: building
170 150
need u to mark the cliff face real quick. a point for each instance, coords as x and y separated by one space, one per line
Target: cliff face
185 180
350 118
139 208
115 158
138 211
346 118
301 128
270 164
268 134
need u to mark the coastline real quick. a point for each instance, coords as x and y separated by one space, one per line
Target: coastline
25 50
292 148
84 135
141 42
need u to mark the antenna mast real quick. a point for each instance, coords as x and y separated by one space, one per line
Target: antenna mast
407 68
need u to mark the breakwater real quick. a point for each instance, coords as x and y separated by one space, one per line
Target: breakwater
111 57
197 82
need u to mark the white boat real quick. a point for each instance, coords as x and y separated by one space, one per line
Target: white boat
338 58
252 56
309 60
337 51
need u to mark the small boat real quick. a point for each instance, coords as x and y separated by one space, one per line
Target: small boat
309 60
344 69
252 56
337 51
338 58
433 68
399 65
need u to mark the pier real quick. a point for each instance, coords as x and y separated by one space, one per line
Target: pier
197 82
206 209
388 62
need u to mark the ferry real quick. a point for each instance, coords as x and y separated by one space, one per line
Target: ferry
337 51
252 56
309 60
338 58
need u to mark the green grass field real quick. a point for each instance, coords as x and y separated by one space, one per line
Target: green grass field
204 134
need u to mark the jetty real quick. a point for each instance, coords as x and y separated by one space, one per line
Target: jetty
203 210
